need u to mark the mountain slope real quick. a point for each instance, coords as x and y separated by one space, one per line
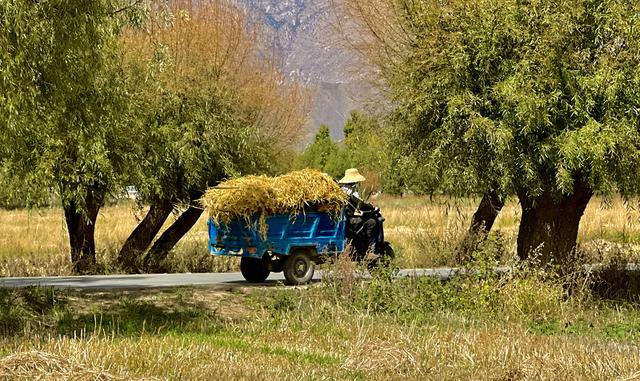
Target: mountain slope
302 33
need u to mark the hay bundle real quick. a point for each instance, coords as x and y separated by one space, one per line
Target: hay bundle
263 196
36 365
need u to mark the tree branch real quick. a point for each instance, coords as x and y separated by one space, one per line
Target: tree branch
131 5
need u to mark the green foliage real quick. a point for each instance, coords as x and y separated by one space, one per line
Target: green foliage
62 97
193 126
362 148
365 149
323 154
361 138
87 107
191 140
18 193
475 292
517 95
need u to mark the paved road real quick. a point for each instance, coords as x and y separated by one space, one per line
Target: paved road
215 280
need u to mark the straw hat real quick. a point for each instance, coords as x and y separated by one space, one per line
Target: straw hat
351 176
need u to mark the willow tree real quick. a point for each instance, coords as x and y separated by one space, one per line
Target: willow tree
375 30
535 98
61 107
209 106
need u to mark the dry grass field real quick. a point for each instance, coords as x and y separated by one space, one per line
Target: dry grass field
424 232
477 328
34 242
528 325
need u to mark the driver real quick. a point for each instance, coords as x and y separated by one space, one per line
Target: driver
360 214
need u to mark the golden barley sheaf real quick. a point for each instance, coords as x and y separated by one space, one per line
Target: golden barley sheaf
262 196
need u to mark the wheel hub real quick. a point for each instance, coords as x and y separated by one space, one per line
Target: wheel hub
300 268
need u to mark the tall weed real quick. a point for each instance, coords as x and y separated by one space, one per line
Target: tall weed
476 292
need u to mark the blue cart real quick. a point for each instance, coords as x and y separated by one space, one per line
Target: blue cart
293 244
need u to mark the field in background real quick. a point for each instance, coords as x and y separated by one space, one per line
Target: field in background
424 232
34 243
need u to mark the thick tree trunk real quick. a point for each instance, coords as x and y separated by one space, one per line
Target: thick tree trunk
136 245
170 237
81 228
488 210
481 223
549 225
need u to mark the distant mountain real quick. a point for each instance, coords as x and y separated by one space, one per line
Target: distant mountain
301 31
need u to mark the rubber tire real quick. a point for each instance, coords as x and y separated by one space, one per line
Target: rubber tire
253 270
299 268
386 253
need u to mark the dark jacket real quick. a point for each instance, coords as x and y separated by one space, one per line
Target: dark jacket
355 204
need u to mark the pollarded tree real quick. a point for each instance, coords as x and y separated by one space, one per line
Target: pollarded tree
537 98
375 30
208 105
61 107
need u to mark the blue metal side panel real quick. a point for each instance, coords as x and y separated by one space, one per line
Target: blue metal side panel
302 227
317 230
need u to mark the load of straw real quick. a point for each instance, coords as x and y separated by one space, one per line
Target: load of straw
262 196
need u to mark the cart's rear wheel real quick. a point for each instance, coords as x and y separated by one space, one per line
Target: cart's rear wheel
254 270
299 268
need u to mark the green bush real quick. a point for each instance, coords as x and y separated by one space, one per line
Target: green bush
476 292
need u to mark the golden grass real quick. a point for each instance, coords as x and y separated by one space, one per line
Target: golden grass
390 353
44 366
334 343
602 218
292 193
424 232
35 243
